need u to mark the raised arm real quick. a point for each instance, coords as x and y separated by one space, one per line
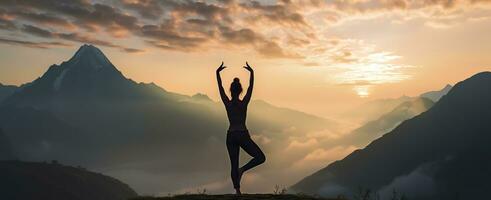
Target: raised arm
248 95
220 86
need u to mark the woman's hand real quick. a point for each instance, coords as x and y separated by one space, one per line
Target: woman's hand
249 68
221 68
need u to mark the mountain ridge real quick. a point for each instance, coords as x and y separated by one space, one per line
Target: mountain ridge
436 95
35 180
377 128
138 132
449 135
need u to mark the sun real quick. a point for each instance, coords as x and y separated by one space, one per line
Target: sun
362 91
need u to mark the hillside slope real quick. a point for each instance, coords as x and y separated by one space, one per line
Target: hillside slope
29 180
6 152
440 154
372 130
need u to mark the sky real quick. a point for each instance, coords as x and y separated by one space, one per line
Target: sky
321 57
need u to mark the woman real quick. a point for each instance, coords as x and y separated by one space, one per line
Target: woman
237 134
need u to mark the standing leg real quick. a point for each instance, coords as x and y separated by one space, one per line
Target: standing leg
233 152
253 150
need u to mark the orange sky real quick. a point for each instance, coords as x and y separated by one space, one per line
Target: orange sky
322 57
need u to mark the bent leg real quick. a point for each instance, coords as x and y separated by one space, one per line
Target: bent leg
253 150
233 153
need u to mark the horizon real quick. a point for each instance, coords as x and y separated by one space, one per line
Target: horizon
341 53
216 100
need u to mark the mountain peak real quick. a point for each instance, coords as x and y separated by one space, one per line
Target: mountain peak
437 94
201 97
91 54
485 75
87 70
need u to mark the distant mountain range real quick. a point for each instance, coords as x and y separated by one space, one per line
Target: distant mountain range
375 109
442 153
85 112
372 130
385 114
436 95
31 180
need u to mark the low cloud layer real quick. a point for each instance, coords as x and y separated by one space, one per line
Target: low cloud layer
417 184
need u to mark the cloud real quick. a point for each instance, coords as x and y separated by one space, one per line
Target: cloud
209 11
45 19
299 42
299 144
290 29
261 139
283 13
440 24
344 57
270 49
6 20
322 154
6 24
417 184
75 37
356 63
132 50
327 134
149 9
267 48
368 6
169 25
165 36
81 12
84 39
241 36
37 31
318 158
41 45
54 14
311 64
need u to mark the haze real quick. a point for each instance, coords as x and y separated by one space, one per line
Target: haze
321 57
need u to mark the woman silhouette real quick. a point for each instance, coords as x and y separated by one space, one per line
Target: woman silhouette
237 134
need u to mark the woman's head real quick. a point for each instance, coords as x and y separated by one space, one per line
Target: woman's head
235 88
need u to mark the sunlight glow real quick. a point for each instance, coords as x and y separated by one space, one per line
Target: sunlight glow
373 73
362 90
358 63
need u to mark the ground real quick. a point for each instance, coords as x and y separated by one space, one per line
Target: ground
235 197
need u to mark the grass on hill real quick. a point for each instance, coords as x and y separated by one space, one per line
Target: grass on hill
237 197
